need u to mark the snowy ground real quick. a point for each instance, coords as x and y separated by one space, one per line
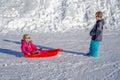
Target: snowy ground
39 17
71 64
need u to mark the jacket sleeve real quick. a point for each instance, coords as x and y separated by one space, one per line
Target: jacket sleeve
24 50
99 29
92 32
34 47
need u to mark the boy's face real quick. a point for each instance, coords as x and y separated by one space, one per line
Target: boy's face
98 18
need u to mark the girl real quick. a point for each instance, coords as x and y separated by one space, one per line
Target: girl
96 34
27 46
31 51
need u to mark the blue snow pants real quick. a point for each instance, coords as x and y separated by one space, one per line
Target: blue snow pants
94 48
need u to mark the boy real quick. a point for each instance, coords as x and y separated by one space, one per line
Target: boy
96 34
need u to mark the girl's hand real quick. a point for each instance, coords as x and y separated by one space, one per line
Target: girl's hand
36 52
40 49
28 53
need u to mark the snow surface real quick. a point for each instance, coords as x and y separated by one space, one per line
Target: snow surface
70 64
56 15
59 24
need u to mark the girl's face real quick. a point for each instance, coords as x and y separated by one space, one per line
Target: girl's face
27 39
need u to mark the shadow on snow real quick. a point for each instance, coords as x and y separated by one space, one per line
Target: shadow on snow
11 52
40 46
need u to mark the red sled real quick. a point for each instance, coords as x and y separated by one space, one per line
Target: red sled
44 53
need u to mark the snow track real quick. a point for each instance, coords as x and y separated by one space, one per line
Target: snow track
71 64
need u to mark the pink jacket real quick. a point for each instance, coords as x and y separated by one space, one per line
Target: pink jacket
27 47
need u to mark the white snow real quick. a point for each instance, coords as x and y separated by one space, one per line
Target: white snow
71 64
56 15
59 24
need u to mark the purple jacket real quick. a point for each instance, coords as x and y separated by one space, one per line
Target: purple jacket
97 30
